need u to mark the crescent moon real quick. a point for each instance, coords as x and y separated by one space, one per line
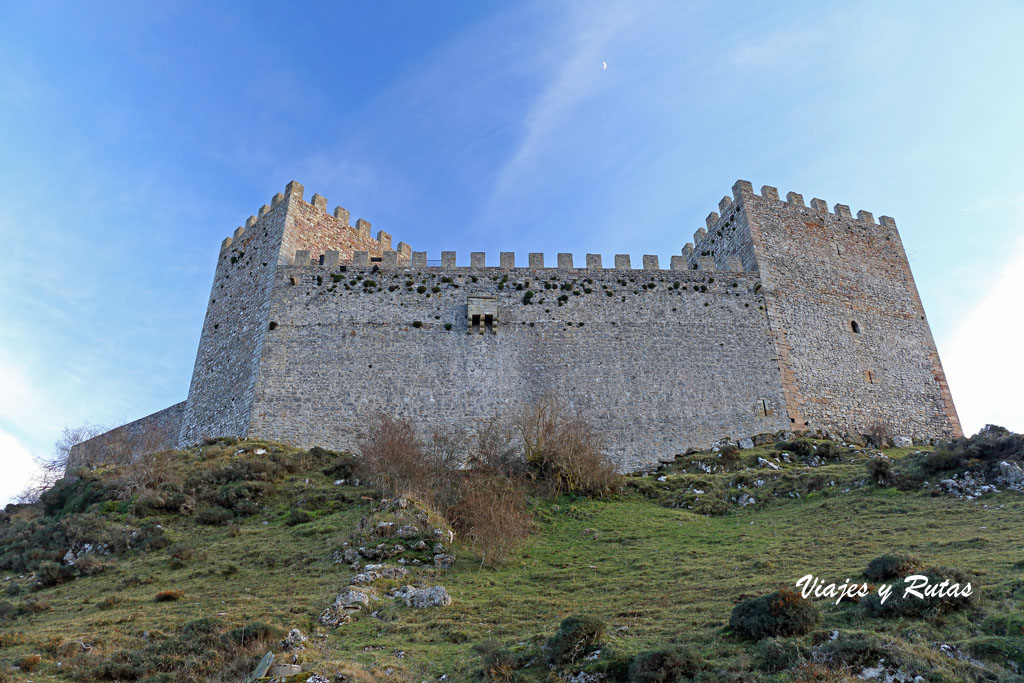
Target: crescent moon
604 65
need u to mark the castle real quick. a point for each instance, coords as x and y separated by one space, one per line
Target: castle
779 316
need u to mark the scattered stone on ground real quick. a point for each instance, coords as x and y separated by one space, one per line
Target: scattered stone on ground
435 596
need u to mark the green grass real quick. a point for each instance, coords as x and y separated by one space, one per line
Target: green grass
655 574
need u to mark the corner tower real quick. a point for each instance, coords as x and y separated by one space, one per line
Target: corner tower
223 382
850 332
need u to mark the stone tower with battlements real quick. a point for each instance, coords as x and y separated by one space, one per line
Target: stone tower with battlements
777 317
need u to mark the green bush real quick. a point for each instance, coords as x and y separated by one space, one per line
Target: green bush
890 566
297 516
911 606
214 515
828 451
254 631
340 466
985 449
70 495
667 664
53 573
775 655
800 447
942 460
880 471
499 663
853 650
240 496
782 613
576 636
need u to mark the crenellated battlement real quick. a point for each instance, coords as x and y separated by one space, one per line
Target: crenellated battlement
418 260
316 210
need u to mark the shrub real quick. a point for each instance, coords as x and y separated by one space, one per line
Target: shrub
782 613
857 650
89 564
253 632
890 566
800 447
942 460
880 471
565 452
775 655
52 573
35 604
392 459
395 461
499 664
29 662
879 434
297 516
180 554
828 450
491 514
675 663
911 606
240 496
340 466
497 451
169 596
214 515
576 636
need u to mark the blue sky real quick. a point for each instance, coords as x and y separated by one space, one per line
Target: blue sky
134 138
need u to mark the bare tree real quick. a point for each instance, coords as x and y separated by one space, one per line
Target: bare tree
51 469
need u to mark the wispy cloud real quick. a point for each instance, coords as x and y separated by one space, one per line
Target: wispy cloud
577 76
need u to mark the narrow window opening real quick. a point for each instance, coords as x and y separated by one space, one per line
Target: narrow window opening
855 326
869 377
474 325
764 407
839 251
489 323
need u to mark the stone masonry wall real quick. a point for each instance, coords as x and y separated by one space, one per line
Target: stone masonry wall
661 360
155 432
853 338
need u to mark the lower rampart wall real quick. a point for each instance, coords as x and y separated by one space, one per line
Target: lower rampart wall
155 432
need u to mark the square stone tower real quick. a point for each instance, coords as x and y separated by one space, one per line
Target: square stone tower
220 396
852 338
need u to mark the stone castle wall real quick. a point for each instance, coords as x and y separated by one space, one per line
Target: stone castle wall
778 316
662 360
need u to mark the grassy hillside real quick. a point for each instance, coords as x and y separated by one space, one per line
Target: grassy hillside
250 566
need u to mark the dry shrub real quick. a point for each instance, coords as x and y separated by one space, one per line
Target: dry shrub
29 662
491 515
169 596
499 450
564 451
879 434
393 460
148 473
